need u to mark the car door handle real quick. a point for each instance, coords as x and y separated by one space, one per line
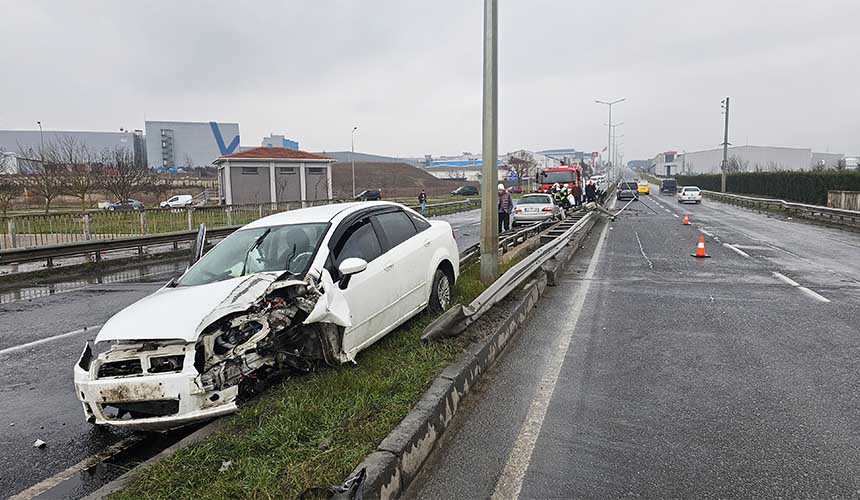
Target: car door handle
388 267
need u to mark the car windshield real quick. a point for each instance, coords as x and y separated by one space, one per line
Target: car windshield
560 177
534 200
280 248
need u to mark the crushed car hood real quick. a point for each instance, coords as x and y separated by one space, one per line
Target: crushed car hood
184 311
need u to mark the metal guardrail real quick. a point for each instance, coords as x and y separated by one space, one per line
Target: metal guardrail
459 317
814 212
95 247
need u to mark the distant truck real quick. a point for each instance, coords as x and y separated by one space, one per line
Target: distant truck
569 175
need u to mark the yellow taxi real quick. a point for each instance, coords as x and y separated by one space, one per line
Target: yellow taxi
643 187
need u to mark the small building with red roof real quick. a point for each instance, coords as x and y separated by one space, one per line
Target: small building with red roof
272 175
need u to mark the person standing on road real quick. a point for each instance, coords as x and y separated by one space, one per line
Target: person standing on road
422 201
506 206
590 191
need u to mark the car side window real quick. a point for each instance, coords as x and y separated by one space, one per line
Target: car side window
359 241
420 223
396 226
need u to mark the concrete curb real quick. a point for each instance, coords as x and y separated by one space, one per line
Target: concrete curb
195 437
395 463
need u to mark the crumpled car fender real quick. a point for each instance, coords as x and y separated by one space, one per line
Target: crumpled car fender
331 306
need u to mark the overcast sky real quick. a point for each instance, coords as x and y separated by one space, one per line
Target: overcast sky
408 72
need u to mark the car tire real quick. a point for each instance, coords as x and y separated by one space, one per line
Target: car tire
442 291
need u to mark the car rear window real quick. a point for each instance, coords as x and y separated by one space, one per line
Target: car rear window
629 185
534 200
691 189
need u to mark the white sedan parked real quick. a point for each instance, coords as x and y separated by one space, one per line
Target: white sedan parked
285 293
690 193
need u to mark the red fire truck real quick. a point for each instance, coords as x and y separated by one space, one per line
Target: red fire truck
570 175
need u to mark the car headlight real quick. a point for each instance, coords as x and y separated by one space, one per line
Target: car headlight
164 364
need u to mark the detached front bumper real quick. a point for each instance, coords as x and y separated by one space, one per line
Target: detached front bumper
148 401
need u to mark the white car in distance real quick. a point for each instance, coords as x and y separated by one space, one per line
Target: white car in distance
178 201
283 294
689 194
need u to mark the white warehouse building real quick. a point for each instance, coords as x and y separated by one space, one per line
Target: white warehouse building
754 158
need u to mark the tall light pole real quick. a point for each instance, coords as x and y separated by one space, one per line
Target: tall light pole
609 131
352 159
725 105
41 141
489 151
612 147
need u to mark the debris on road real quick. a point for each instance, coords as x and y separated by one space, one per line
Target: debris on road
39 444
225 465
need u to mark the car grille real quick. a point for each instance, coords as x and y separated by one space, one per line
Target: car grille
120 368
140 409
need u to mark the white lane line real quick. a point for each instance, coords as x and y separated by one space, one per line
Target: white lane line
676 215
511 480
43 486
10 350
788 281
706 232
650 264
812 294
737 250
785 279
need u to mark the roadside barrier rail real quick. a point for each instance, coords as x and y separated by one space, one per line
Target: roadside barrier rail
801 210
218 225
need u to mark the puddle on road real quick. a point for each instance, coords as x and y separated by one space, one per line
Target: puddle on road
143 274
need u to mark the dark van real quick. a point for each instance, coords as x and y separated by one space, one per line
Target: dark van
668 186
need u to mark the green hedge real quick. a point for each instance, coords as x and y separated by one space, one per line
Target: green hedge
803 187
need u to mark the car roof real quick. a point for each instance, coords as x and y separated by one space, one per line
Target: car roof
323 213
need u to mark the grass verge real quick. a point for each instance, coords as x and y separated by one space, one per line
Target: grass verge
312 430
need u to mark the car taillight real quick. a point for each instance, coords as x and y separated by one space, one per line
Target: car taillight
547 209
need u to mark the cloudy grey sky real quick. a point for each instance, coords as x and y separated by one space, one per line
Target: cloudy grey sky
408 72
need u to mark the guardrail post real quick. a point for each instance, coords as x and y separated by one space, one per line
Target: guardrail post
260 211
12 234
190 219
142 222
229 211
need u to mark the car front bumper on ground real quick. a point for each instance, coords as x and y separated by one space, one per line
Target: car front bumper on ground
149 401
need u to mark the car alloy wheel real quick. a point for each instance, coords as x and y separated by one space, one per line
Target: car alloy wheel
440 296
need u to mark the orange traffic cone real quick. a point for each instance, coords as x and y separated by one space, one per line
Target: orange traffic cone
686 220
700 249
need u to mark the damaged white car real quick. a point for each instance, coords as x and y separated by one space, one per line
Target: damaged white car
281 295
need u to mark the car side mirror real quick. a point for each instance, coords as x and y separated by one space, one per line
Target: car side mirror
348 267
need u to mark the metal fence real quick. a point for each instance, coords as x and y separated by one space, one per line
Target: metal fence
846 200
37 230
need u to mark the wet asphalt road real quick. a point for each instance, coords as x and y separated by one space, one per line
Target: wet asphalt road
37 390
681 378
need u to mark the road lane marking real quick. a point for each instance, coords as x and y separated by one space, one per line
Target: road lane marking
706 232
10 350
43 486
676 215
812 294
737 250
785 279
650 264
510 482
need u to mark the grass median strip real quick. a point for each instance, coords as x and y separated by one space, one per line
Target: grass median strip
312 430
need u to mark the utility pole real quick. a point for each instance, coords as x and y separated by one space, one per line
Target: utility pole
41 142
489 153
609 132
725 147
352 159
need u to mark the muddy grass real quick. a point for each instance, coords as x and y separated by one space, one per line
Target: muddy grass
312 430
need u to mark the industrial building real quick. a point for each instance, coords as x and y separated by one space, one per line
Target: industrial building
189 144
744 158
279 141
271 175
30 142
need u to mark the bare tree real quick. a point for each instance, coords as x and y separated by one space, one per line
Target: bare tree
523 163
736 164
121 176
82 172
159 186
44 176
11 188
